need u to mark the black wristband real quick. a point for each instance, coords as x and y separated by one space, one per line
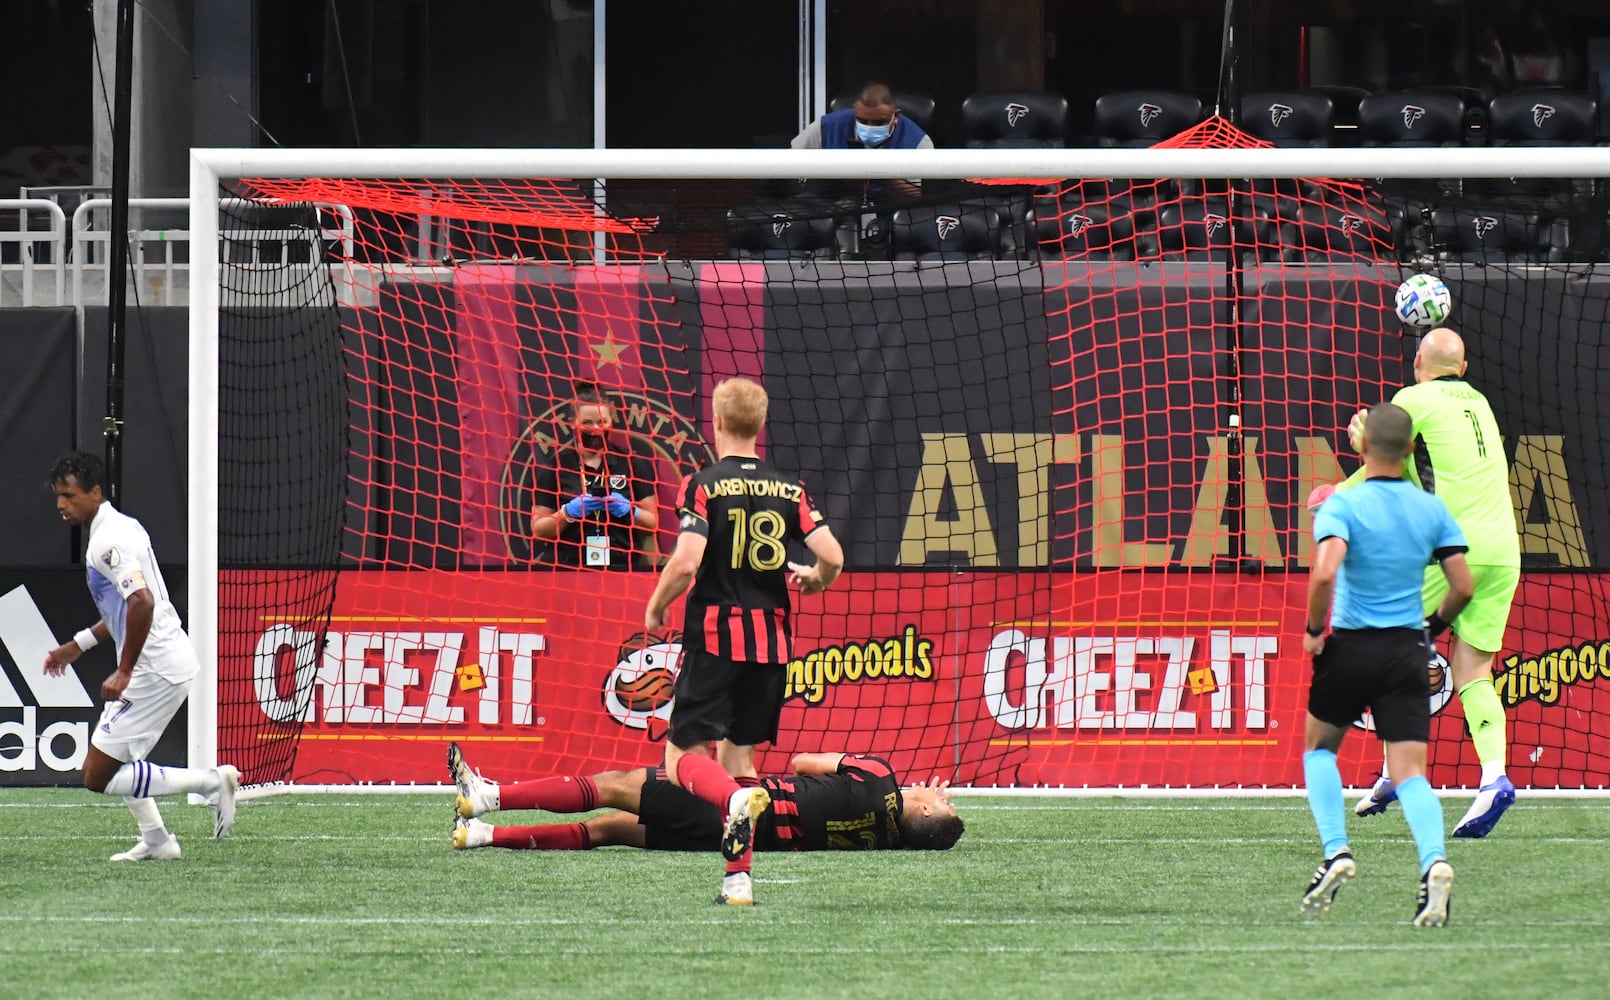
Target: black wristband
1435 625
1314 632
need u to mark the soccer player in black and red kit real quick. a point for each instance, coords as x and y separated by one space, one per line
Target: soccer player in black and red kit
831 802
738 519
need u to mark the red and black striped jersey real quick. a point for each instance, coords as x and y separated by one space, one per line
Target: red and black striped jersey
856 809
750 513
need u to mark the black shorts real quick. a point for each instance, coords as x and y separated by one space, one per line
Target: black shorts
720 699
674 819
1384 670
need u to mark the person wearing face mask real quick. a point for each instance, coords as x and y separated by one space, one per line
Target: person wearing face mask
596 504
873 122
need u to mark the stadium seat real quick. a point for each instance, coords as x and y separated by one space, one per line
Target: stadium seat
1344 111
1075 228
1139 118
1014 207
946 232
916 106
1288 118
1015 118
1474 99
1318 232
1546 116
1195 229
1481 236
778 231
1411 118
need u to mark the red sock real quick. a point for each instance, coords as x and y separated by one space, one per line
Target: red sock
703 777
552 837
560 795
747 782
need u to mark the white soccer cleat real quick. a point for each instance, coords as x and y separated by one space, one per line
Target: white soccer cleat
168 850
476 795
1436 888
1491 803
743 812
1381 795
223 801
737 889
1332 873
471 833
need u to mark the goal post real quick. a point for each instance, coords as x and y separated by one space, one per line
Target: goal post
1066 432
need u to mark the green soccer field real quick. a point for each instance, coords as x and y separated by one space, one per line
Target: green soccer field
345 896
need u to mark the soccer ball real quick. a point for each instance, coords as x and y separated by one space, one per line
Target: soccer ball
1423 301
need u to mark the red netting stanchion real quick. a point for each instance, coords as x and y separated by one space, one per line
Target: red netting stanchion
457 322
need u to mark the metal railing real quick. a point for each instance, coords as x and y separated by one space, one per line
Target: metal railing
62 263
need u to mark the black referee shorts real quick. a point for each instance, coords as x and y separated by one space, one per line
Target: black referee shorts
674 819
1384 670
719 699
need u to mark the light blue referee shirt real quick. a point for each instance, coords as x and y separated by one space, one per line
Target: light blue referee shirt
1392 529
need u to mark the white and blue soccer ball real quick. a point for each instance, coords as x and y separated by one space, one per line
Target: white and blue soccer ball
1423 301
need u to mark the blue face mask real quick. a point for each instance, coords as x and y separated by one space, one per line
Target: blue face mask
872 135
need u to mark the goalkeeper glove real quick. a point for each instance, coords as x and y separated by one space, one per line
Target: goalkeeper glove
1355 430
619 506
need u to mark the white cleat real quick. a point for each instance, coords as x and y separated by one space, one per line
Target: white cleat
168 850
737 889
476 795
223 801
743 812
1332 873
1436 887
471 833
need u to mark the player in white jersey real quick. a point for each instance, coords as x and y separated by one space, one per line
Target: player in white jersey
155 664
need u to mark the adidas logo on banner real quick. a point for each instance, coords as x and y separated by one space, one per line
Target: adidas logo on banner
28 639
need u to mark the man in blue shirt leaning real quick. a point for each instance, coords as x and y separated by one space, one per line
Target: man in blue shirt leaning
874 121
1373 543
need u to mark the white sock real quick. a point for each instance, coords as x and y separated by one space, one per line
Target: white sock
143 779
1384 773
1491 773
146 814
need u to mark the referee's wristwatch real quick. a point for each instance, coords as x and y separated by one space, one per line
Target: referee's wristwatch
1313 632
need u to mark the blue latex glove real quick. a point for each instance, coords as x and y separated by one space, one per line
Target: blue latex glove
579 507
619 506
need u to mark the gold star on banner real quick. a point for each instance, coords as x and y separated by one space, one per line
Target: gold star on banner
609 352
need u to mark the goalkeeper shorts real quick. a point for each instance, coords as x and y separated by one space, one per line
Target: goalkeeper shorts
1483 622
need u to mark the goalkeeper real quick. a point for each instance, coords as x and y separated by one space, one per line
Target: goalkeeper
831 801
1459 456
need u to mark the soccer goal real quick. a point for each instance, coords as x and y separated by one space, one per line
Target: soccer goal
1063 408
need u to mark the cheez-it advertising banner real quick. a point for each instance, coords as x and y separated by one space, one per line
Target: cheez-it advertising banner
1107 679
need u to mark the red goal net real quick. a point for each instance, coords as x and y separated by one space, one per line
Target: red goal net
1065 432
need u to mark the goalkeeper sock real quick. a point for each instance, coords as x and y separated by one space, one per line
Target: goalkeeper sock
706 779
561 795
550 837
1324 784
1484 714
149 819
1424 813
141 779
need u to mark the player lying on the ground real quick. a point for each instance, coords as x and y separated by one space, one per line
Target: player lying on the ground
832 801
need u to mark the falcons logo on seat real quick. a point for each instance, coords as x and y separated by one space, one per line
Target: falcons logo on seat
1077 224
1148 114
1484 225
1278 113
946 224
1015 113
1540 114
1411 114
1352 224
780 224
1213 223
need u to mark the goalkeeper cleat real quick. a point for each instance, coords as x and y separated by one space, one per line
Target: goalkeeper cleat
1383 794
168 850
1436 886
743 812
1491 802
468 833
223 801
737 889
1330 876
476 795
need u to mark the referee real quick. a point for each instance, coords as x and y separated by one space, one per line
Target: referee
1373 544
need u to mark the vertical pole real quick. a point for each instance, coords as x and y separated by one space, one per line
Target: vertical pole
1229 101
118 262
202 584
